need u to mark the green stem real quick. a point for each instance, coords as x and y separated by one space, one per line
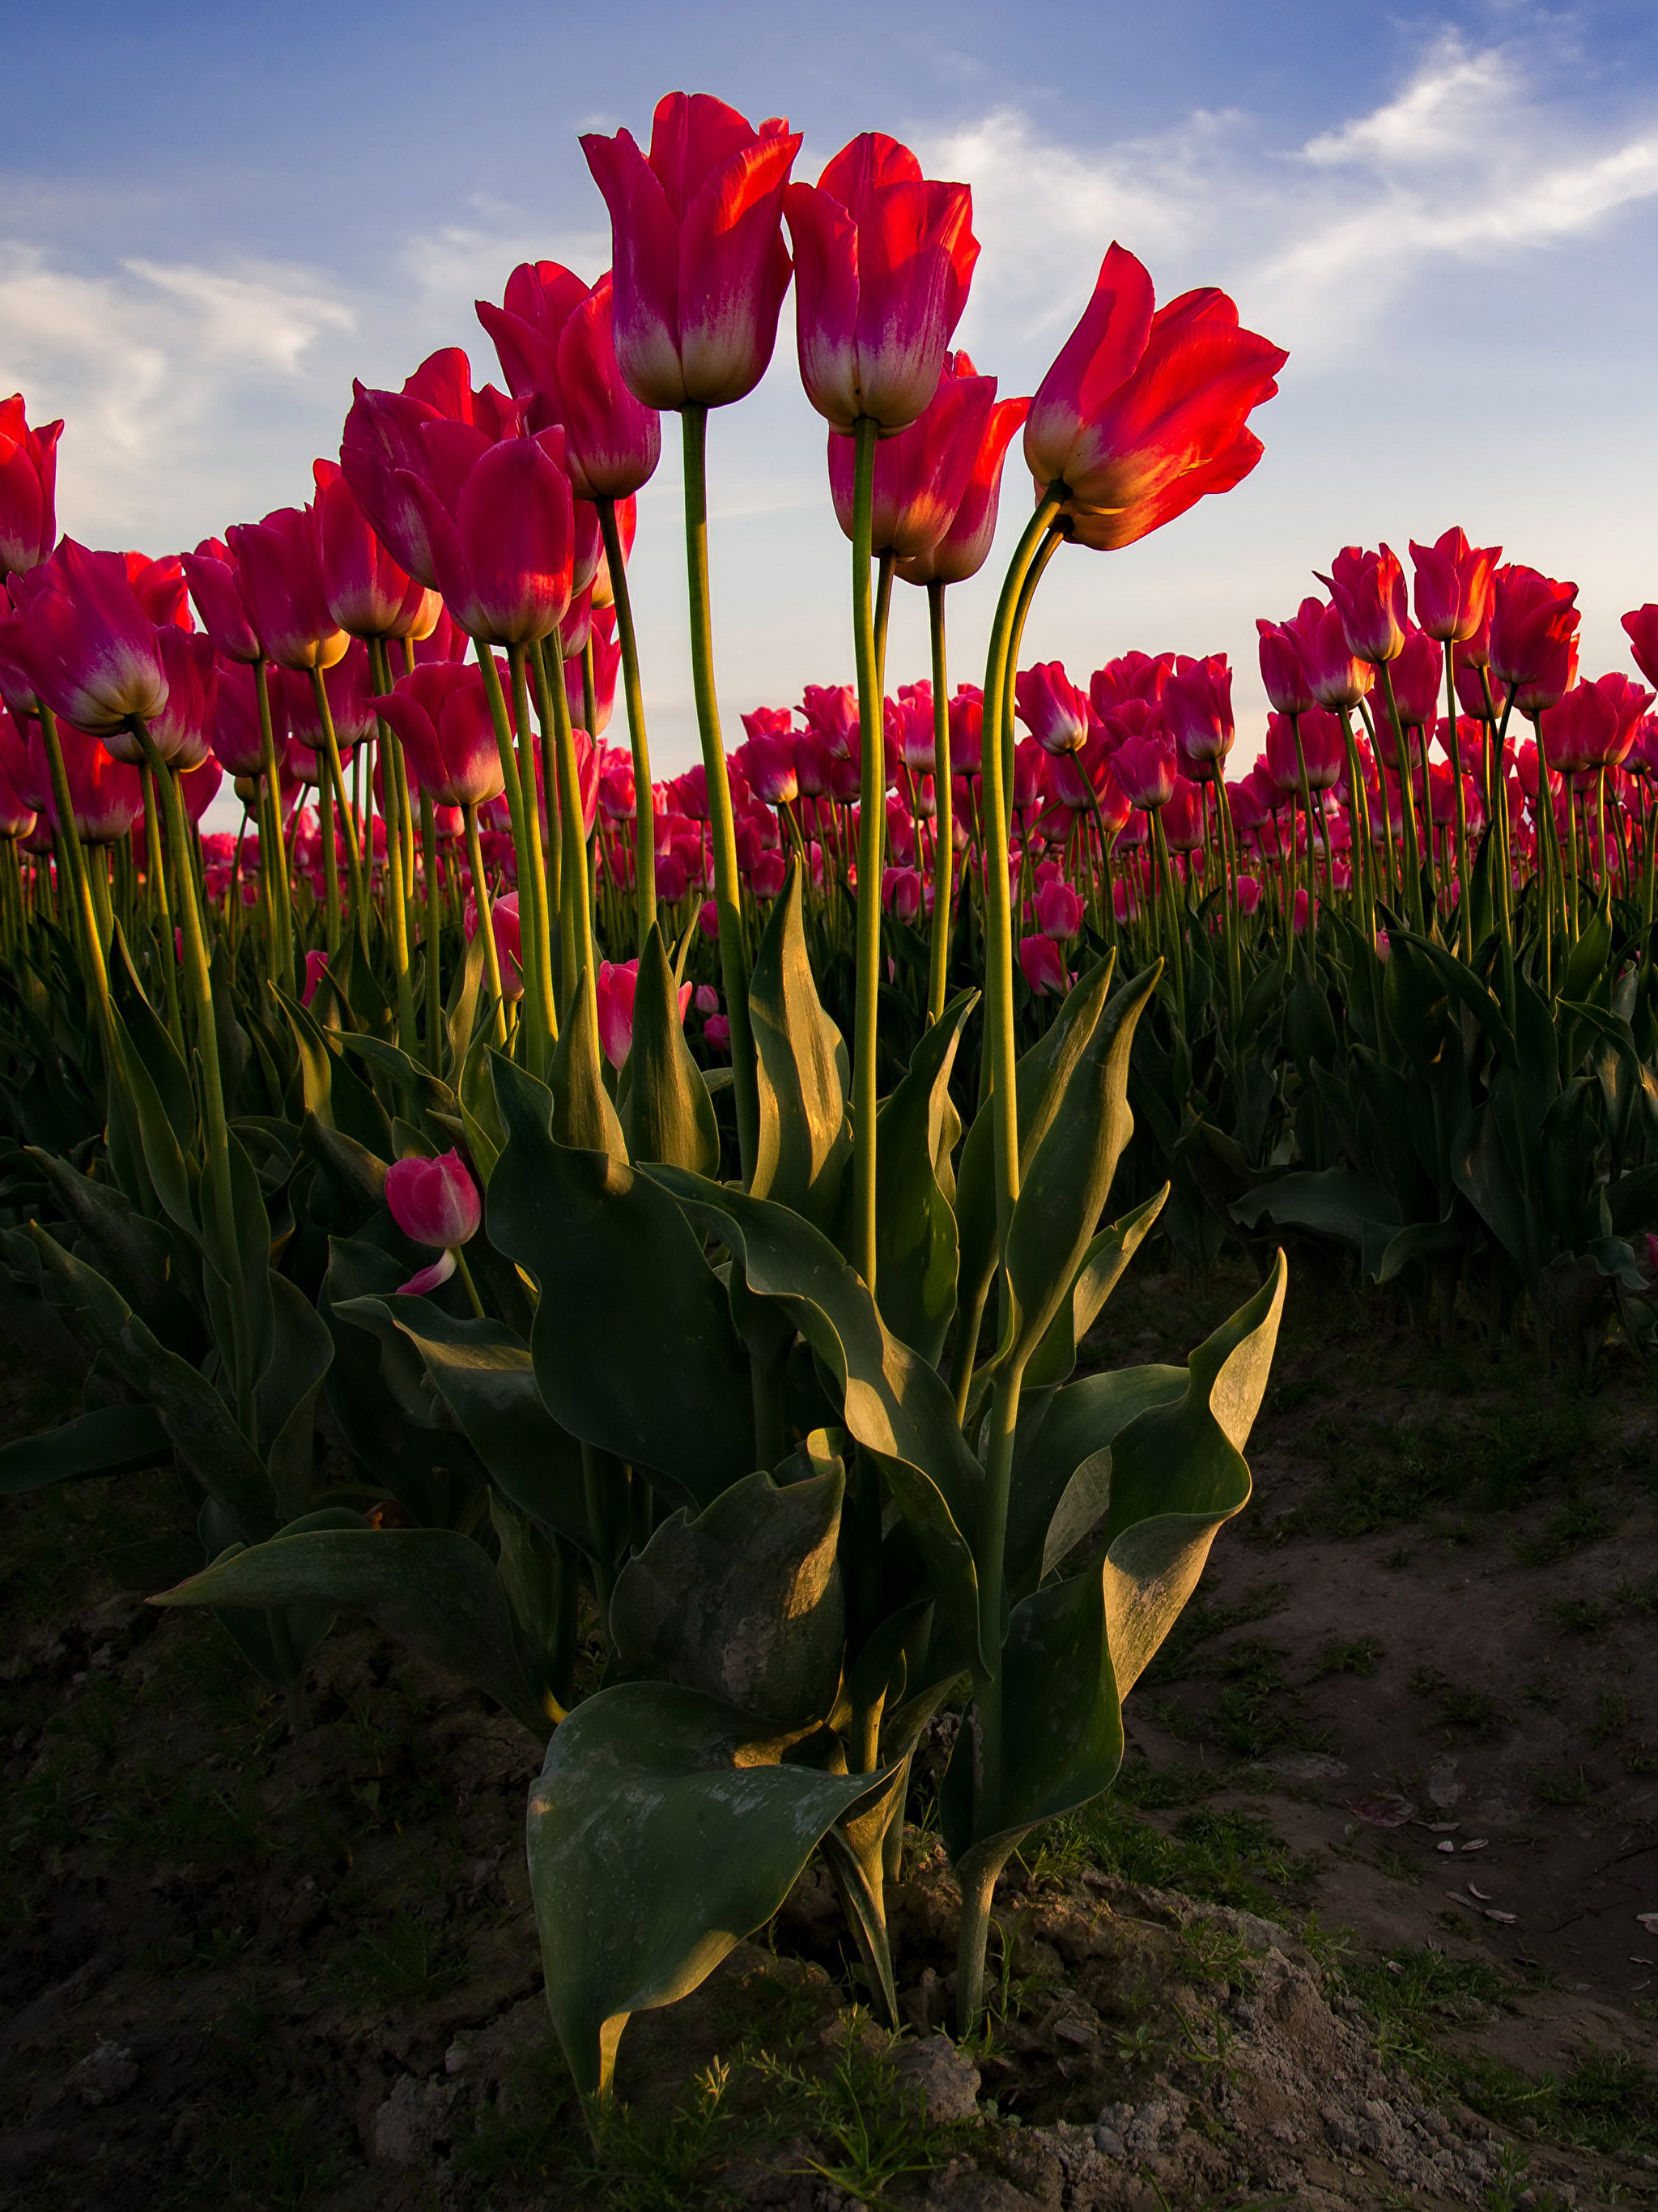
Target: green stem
871 821
70 842
733 964
633 695
576 911
273 865
526 846
486 921
1464 903
348 826
944 837
432 937
394 788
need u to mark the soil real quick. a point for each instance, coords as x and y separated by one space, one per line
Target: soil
1362 1925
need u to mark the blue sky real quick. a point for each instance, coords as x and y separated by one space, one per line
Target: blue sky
209 222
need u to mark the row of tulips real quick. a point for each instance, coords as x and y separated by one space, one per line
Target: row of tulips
633 1237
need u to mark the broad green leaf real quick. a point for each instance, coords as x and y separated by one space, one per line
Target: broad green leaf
285 1404
131 1253
1040 1081
482 1371
1384 1252
915 1134
582 1115
113 1440
744 1601
1486 1180
804 1141
204 1433
1081 1420
432 1590
660 1834
667 1115
1104 1267
893 1402
1063 1195
633 1347
1333 1202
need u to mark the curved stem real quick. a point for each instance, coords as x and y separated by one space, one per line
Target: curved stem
394 800
70 842
575 910
732 964
527 845
634 697
274 866
348 826
432 936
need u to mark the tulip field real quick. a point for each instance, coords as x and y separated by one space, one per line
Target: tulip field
642 1243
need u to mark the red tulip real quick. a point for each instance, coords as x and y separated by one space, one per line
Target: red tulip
509 939
1336 677
28 478
367 593
1534 638
198 787
921 474
1043 966
607 665
211 572
434 1201
1139 676
1594 724
540 298
617 986
181 730
279 574
1322 748
1182 818
236 738
80 639
964 547
500 524
1142 414
1284 658
768 764
1145 767
1369 592
105 796
1059 910
901 891
441 717
1197 701
1051 707
1454 586
350 688
966 724
700 266
1641 626
613 442
884 258
1029 775
1419 680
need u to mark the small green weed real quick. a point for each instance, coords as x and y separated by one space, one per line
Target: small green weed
1568 1529
1612 1714
1576 1616
1361 1655
1558 1786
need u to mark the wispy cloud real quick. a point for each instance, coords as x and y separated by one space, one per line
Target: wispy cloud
1470 160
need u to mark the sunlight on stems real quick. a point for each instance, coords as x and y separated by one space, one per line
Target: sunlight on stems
486 921
633 699
871 822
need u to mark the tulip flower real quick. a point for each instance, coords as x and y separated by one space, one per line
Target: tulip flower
1641 626
1138 675
1197 701
884 258
82 642
367 593
1182 818
1059 910
1143 413
902 893
1043 966
618 982
768 764
216 586
1051 707
1594 724
1336 676
1453 586
349 685
700 268
1322 748
508 936
966 722
28 477
181 730
921 474
105 795
539 299
1417 673
1534 636
433 1202
612 442
235 736
1145 767
279 574
607 665
500 524
1285 650
965 545
1368 592
441 717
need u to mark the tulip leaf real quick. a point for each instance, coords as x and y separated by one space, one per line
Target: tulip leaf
200 1426
633 1342
893 1402
482 1371
432 1590
582 1117
1040 1081
1079 1421
1105 1264
131 1253
916 1244
804 1140
1332 1202
112 1440
1064 1193
668 1114
660 1834
285 1402
744 1601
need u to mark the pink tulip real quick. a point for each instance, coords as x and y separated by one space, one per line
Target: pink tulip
236 735
1453 586
1418 679
1197 701
1369 591
1043 966
367 593
901 893
500 524
700 268
509 949
279 574
1051 707
434 1201
618 984
1284 657
1145 767
316 966
105 795
884 258
182 730
1059 910
80 639
1641 626
216 586
28 477
921 474
1534 636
